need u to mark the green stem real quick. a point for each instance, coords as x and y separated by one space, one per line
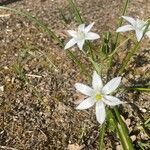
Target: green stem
90 51
101 136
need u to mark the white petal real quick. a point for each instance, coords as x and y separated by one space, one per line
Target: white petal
72 33
148 34
70 43
100 112
139 34
130 20
81 27
140 24
111 85
87 103
125 28
84 89
97 81
88 28
92 36
80 44
112 101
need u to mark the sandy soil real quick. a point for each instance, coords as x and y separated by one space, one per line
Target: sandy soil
37 110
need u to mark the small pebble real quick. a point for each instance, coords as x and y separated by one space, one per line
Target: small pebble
119 147
143 110
133 138
2 88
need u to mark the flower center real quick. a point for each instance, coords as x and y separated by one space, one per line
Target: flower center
98 96
80 35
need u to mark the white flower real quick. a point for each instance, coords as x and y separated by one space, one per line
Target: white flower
83 33
99 94
137 25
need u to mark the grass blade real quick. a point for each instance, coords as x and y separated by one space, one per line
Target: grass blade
76 11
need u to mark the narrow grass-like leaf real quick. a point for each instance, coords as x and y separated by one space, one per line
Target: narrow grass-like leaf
139 89
127 144
147 123
123 139
106 46
144 146
76 11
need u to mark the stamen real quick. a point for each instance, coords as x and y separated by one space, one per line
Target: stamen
98 97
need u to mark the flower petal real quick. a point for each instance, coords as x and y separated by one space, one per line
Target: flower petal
100 112
97 81
72 33
92 36
111 85
81 27
112 101
148 34
88 28
140 24
139 34
87 103
80 44
70 43
125 28
130 20
84 89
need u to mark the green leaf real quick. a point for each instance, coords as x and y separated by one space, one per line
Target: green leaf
76 11
110 122
106 43
147 123
144 146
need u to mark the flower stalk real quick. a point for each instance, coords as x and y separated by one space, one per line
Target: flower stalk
101 137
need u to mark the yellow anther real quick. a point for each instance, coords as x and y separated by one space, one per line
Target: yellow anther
98 97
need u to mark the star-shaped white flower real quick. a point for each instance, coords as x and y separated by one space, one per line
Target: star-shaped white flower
99 95
83 33
137 25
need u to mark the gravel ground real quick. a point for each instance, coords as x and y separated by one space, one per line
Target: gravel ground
37 97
